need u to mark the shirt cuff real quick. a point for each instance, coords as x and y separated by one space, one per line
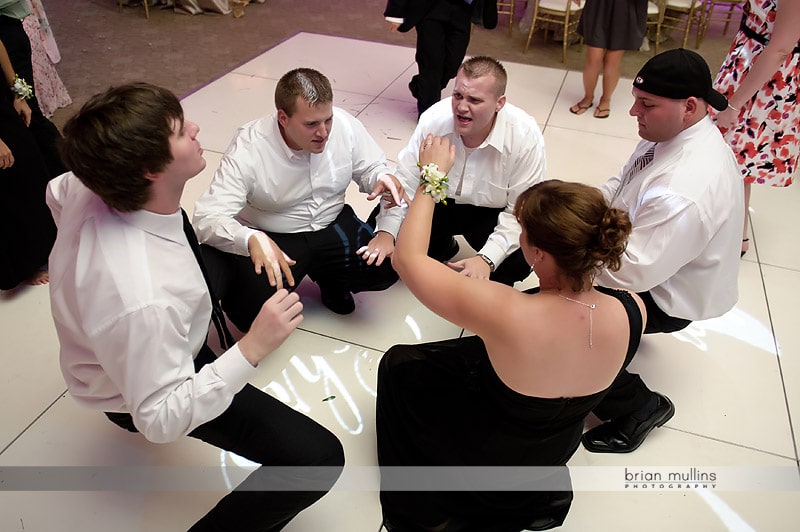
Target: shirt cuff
233 368
242 238
389 221
493 252
396 20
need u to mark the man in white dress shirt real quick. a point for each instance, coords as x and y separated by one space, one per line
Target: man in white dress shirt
499 154
275 210
132 308
683 192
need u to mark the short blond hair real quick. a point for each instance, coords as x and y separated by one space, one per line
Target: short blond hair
307 83
479 66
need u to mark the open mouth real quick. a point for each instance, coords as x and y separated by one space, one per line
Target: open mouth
463 120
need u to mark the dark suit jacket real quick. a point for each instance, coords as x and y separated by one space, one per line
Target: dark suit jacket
412 11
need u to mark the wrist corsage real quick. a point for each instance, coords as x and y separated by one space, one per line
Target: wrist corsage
434 182
21 88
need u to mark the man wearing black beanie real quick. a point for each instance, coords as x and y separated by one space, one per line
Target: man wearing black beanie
682 189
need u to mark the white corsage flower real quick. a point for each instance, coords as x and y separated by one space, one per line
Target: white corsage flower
434 182
21 88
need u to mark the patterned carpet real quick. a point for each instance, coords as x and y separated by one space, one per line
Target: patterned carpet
101 46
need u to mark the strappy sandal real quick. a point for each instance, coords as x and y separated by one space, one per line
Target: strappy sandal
579 109
602 113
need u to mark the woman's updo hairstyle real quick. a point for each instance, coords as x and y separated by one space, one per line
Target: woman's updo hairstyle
573 223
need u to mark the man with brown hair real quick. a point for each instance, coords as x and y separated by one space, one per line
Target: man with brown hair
276 206
131 308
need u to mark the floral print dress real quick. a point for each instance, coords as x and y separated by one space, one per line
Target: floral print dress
766 139
50 90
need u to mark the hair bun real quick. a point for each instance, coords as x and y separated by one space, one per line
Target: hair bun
612 238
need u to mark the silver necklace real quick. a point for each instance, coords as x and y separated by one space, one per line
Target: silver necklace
590 306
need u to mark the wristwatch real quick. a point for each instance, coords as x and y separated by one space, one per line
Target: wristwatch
488 261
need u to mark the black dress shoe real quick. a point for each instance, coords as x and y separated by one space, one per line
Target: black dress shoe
122 420
338 302
626 434
413 88
452 249
445 253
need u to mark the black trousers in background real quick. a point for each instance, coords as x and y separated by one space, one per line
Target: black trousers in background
628 393
327 256
475 224
264 430
442 40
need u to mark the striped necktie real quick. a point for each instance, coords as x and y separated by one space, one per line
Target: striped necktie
225 336
638 165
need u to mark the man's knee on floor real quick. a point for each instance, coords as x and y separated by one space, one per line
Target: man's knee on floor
333 452
328 462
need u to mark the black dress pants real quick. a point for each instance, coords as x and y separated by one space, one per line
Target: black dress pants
628 393
442 40
300 460
475 224
327 256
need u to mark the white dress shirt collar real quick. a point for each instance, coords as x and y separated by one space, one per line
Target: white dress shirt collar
687 134
168 226
497 136
288 152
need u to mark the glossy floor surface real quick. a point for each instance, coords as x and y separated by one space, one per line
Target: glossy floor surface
735 380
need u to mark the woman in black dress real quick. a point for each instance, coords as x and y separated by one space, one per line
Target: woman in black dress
18 47
518 392
28 231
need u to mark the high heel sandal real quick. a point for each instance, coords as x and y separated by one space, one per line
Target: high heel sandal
745 246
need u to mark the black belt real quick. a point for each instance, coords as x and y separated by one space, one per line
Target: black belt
751 34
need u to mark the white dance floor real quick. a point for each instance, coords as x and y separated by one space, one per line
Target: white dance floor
735 380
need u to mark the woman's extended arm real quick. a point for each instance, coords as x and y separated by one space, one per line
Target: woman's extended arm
455 297
415 233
